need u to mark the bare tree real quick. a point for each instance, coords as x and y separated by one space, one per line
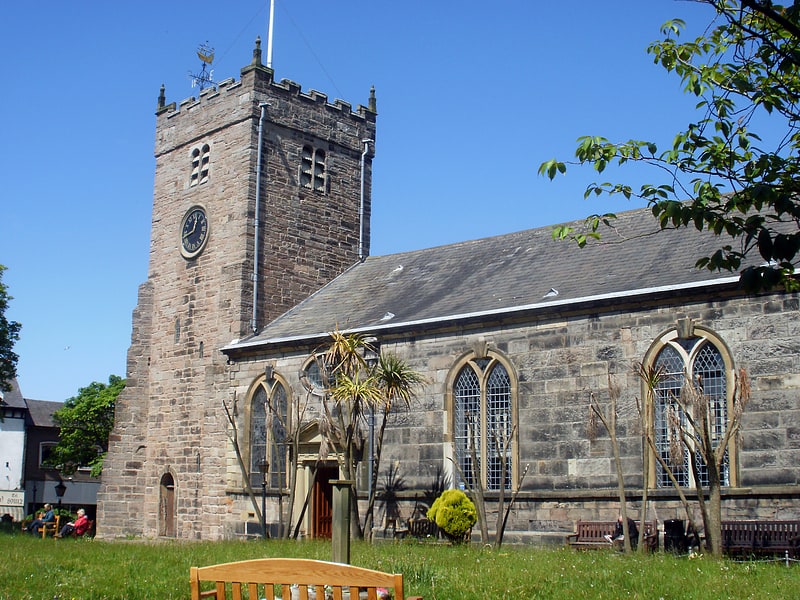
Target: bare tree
502 515
287 415
609 420
699 429
231 413
474 484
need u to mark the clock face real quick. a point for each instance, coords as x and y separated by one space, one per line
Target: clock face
194 232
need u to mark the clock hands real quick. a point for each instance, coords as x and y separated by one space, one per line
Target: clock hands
194 226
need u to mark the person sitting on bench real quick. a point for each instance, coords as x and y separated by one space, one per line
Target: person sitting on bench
78 527
37 524
617 538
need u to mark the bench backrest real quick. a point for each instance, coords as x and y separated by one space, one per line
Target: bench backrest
594 530
423 528
51 528
739 533
272 578
779 532
597 530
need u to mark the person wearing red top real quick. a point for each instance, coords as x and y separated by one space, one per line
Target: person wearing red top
77 527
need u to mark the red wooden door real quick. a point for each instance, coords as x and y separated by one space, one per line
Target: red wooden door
323 501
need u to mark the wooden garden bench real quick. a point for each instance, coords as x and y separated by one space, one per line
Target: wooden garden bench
592 534
51 528
760 537
423 529
292 579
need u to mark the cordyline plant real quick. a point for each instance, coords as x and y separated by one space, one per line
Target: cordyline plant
398 384
357 388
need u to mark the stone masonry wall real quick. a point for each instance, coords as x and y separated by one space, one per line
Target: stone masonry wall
559 359
170 418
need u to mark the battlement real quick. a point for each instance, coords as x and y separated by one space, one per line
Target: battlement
260 79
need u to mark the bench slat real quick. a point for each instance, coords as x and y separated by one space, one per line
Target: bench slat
760 537
591 534
267 573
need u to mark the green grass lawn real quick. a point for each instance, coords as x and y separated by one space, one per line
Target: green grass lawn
92 569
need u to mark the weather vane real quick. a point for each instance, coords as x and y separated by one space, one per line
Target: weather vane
205 77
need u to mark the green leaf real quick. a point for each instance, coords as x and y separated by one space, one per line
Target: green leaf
745 71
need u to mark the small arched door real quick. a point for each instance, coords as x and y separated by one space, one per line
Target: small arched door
167 506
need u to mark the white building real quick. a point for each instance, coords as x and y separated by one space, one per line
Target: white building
13 412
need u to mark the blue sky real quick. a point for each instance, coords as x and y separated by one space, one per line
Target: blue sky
472 97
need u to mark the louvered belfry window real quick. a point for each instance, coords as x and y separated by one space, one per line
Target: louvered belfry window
312 169
201 159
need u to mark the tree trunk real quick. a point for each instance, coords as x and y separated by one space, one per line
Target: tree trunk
477 489
234 438
610 424
350 472
646 428
368 520
714 525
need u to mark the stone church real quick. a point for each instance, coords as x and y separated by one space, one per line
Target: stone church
260 247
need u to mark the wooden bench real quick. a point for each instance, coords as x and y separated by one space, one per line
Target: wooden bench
592 534
292 579
423 529
760 537
87 533
51 528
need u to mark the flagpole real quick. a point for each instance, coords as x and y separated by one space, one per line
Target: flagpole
269 35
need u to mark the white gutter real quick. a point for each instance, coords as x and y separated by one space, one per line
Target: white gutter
493 313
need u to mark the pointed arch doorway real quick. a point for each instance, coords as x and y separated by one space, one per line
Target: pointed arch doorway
167 507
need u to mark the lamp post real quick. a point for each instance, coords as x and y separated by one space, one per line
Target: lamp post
60 491
263 466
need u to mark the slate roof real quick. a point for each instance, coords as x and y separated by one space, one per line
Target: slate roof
496 275
41 412
13 398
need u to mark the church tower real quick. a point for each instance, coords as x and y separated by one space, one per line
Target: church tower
261 196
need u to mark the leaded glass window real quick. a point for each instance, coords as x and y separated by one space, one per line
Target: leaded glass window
483 423
701 362
268 423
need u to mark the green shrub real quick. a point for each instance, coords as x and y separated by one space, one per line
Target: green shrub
454 513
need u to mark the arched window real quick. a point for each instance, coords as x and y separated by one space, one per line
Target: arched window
269 423
696 363
483 402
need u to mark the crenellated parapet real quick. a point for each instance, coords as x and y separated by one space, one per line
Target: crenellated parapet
260 78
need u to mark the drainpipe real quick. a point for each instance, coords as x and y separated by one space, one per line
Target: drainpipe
257 249
361 255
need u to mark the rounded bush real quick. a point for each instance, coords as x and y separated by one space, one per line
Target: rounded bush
454 513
